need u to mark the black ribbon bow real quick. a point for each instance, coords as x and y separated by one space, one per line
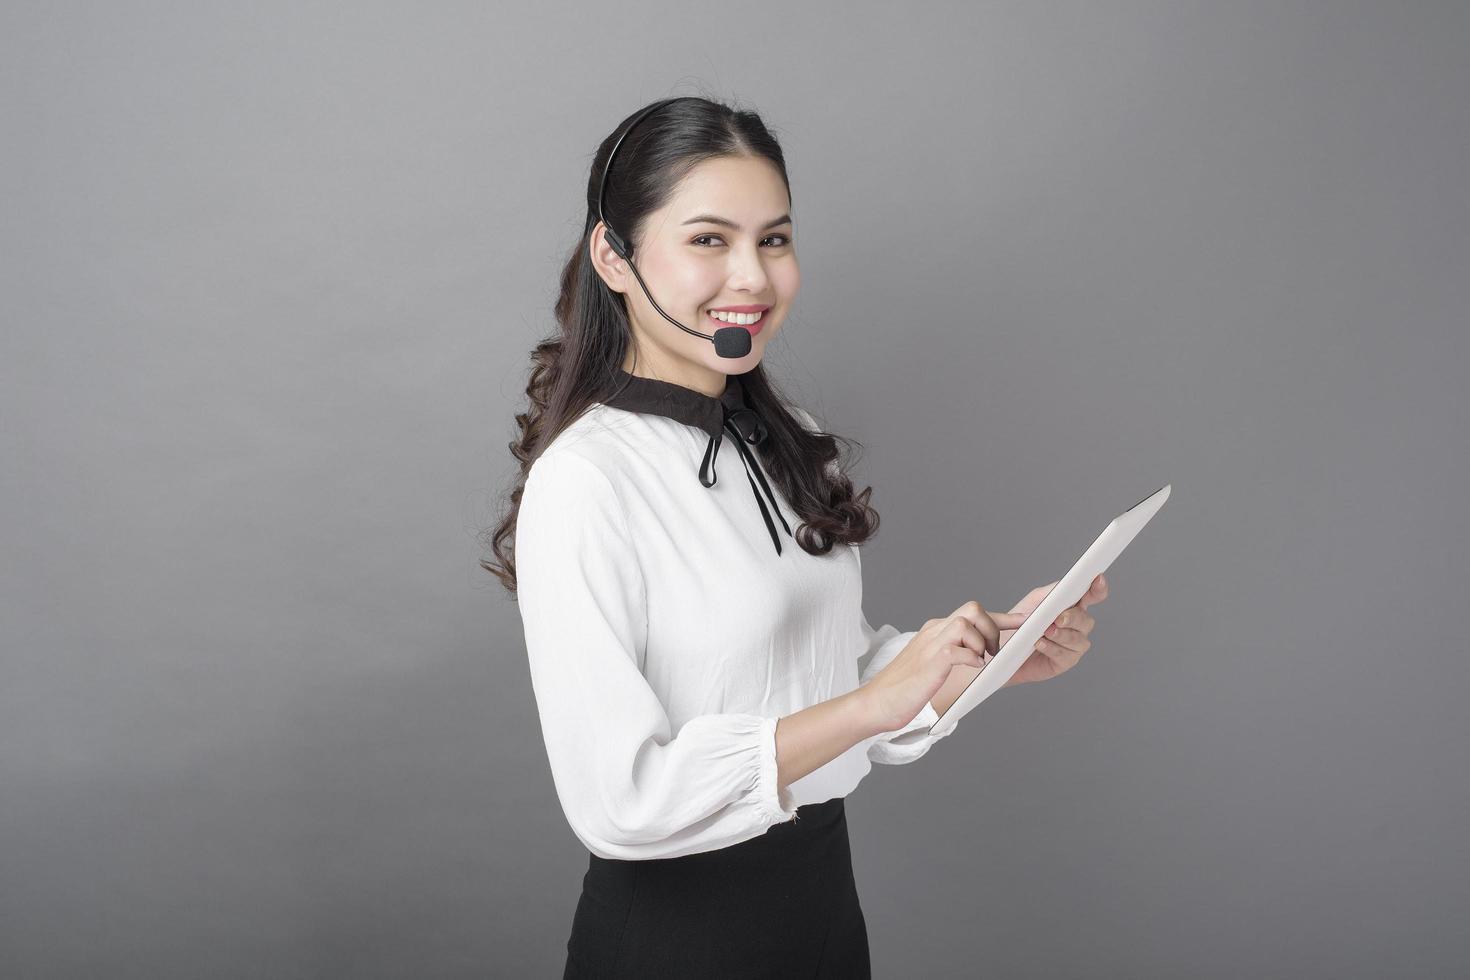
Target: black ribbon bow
756 437
715 416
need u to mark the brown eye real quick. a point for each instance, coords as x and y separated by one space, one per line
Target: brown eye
785 240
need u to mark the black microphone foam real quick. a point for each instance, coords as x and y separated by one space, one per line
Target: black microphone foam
732 341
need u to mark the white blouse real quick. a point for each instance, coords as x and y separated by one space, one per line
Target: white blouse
666 636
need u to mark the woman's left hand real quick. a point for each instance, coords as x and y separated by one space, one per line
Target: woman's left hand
1065 640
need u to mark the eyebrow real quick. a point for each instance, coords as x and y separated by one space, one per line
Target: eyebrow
715 219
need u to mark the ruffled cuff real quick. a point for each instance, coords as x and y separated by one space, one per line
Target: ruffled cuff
776 806
909 742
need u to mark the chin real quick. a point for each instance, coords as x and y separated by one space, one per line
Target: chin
737 365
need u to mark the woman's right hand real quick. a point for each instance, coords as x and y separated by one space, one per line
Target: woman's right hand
969 635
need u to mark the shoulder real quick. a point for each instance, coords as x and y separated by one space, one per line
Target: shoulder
564 473
580 475
570 509
587 451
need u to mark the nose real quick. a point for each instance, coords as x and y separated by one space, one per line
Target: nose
747 270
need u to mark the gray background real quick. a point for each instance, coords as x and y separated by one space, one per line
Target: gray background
270 278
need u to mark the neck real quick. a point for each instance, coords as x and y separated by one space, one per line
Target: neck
688 375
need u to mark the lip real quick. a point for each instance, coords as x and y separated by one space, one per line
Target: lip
747 308
754 328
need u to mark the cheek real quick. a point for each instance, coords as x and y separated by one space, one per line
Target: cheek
787 280
697 282
696 277
685 282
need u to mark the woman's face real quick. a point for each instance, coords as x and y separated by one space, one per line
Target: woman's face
724 239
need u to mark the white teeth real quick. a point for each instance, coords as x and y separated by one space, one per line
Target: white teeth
742 319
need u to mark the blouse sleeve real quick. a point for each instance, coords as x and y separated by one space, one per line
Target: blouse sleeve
631 788
882 645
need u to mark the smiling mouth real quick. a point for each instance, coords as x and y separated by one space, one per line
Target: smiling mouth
754 327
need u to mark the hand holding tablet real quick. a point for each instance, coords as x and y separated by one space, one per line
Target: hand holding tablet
1064 641
1072 586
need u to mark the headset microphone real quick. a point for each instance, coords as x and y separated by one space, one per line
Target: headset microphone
728 341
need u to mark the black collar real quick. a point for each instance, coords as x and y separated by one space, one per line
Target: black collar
715 416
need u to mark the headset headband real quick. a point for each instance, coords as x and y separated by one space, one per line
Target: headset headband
613 238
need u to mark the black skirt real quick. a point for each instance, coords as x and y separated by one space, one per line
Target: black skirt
780 905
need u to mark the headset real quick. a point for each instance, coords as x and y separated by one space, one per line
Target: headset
728 341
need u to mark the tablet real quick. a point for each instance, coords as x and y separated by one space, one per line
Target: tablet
1072 586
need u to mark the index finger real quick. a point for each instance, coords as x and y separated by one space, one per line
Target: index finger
983 624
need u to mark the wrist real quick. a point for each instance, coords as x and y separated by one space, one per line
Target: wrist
866 716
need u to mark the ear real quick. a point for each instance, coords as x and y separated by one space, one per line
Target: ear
609 264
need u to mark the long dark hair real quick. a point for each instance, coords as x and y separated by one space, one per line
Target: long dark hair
580 363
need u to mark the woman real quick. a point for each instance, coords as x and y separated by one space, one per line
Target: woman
709 689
